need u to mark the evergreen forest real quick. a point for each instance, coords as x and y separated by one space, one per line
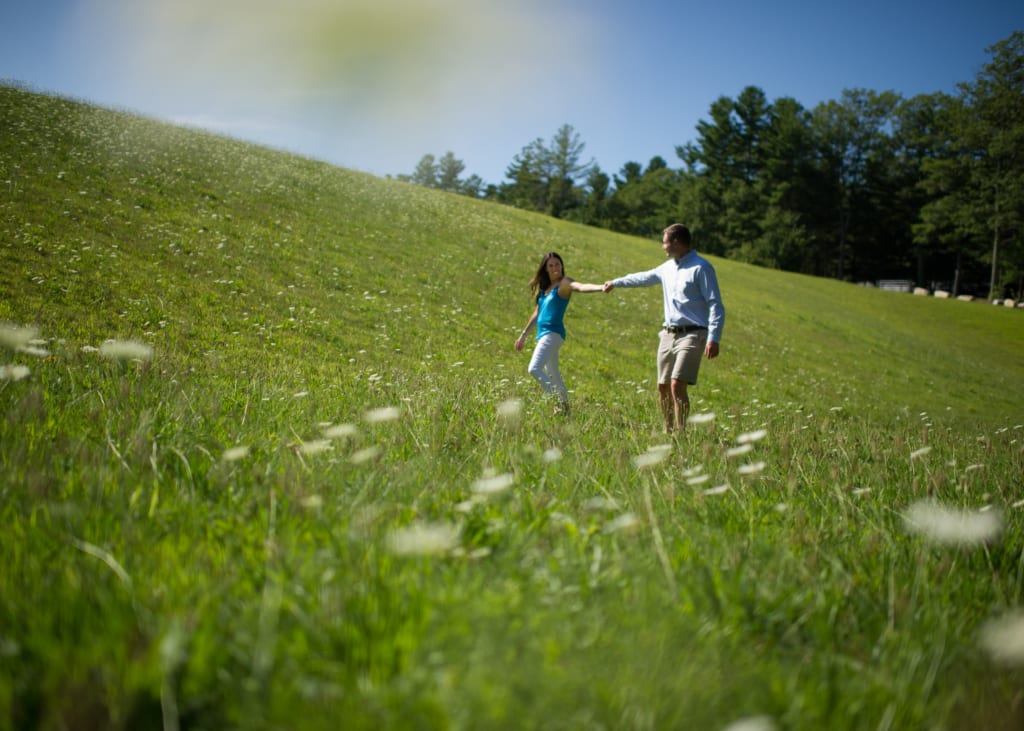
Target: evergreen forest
928 190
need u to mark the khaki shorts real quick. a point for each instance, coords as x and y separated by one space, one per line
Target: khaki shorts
679 356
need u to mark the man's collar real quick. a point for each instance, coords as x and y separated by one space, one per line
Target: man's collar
682 258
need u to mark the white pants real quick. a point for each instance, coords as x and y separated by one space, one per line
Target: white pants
544 366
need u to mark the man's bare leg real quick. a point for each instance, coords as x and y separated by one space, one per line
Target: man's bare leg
681 404
667 406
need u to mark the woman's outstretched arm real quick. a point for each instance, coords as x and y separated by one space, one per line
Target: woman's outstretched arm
581 287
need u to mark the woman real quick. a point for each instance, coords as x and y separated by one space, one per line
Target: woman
551 289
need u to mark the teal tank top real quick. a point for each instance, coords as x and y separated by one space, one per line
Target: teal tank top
551 314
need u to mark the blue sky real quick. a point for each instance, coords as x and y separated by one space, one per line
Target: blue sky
374 85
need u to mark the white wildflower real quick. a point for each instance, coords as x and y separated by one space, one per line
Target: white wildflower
385 413
717 490
423 539
467 506
647 459
737 451
15 336
920 452
312 502
751 468
233 454
364 455
704 418
949 526
126 350
493 485
300 394
693 471
752 436
752 723
654 455
510 411
624 523
1003 638
13 372
339 431
551 455
315 446
599 502
698 480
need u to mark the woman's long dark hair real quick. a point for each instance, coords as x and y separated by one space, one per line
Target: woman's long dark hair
541 281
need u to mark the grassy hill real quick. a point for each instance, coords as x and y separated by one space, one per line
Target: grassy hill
217 536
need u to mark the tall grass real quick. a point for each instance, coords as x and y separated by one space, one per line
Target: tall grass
310 485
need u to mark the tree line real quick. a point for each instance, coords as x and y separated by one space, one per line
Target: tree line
871 186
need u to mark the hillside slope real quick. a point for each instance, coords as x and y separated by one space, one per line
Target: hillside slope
116 226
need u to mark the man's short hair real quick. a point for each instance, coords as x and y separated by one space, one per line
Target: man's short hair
678 232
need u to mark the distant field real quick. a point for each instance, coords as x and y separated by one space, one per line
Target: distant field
271 461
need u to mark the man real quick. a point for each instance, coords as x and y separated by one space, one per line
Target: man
694 316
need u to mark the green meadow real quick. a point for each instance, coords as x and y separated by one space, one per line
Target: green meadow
270 461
